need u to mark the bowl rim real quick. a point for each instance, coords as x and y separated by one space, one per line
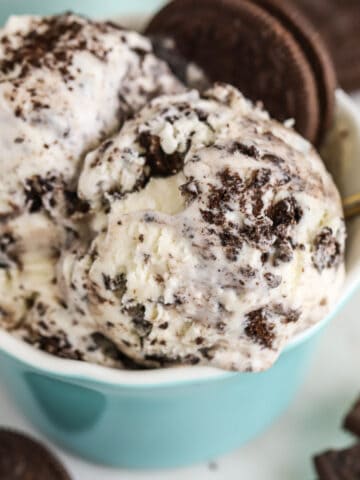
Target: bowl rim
78 371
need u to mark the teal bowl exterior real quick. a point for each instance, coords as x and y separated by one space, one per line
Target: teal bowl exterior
155 425
91 8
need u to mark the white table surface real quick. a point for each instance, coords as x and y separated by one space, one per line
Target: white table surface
311 424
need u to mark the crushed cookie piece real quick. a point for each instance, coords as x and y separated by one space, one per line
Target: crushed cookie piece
247 150
286 212
116 284
272 280
161 164
190 190
259 328
327 250
137 313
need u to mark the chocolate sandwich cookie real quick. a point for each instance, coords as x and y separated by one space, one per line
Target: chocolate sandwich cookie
338 22
316 52
187 72
352 420
339 465
263 48
22 458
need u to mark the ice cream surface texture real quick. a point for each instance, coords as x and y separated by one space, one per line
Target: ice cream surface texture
66 83
220 234
181 228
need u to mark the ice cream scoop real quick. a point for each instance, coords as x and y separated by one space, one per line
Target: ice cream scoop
213 225
66 83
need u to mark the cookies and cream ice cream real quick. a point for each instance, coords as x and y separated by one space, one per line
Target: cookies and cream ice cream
145 222
214 225
66 83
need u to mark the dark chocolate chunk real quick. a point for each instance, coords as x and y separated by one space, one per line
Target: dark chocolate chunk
260 178
286 212
149 218
137 313
283 251
57 344
110 350
264 257
352 420
207 352
269 157
40 192
287 315
105 146
4 313
190 190
259 328
74 204
272 280
248 150
24 458
35 188
339 465
232 243
220 201
115 284
162 360
6 241
160 163
327 250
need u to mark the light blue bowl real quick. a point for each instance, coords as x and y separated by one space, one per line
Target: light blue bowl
92 8
151 419
162 418
163 424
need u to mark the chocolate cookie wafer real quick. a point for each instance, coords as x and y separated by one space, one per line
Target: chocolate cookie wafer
267 50
316 52
352 419
339 465
338 21
22 458
189 73
238 42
